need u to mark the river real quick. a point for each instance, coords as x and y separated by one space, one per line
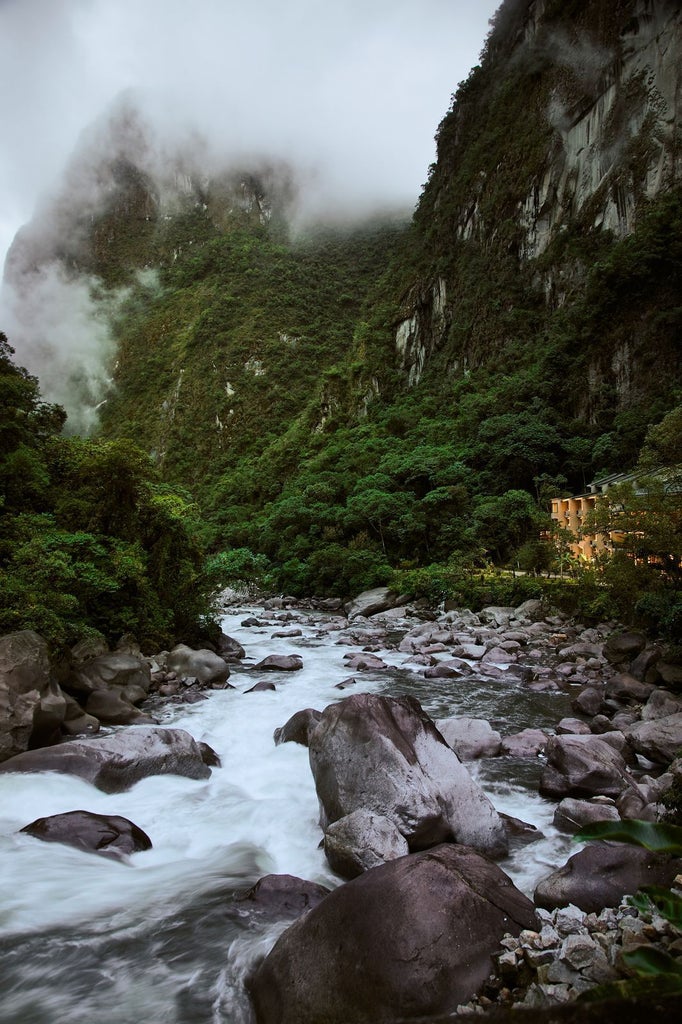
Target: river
159 939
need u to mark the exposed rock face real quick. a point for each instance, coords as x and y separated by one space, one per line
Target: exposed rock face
109 835
601 874
360 841
386 755
410 938
32 706
115 763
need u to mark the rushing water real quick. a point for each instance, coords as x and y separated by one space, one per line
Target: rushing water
159 939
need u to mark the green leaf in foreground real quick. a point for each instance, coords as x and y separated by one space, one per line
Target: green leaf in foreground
649 961
655 836
657 897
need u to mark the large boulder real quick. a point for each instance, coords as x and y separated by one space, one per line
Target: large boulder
371 602
297 729
205 666
623 647
280 663
410 938
109 835
601 874
571 813
115 763
32 706
386 755
470 738
112 707
360 841
659 740
114 669
582 766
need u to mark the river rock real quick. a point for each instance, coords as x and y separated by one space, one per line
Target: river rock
371 602
297 729
659 740
532 610
671 673
624 687
589 701
280 663
109 835
261 687
527 743
115 763
282 896
76 721
571 814
32 705
470 738
113 669
497 615
229 649
386 755
111 707
622 647
644 665
582 766
573 727
205 666
409 938
661 704
360 841
602 874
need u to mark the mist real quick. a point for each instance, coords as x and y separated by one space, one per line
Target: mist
347 95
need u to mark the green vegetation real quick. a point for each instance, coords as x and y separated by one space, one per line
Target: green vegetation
90 540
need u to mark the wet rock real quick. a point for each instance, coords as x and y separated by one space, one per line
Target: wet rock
261 687
280 663
346 683
115 763
205 666
602 874
386 755
645 664
364 663
670 673
470 738
415 935
282 896
498 656
532 610
105 834
360 841
76 721
285 634
250 622
209 755
580 650
582 766
298 728
497 615
445 671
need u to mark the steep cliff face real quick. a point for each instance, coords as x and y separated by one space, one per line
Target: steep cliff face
553 150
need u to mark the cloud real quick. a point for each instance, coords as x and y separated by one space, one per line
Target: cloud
349 92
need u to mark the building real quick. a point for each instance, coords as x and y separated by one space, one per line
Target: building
571 513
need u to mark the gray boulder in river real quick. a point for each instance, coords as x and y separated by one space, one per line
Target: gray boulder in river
115 763
409 938
384 754
109 835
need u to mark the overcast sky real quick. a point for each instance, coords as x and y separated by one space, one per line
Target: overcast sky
352 89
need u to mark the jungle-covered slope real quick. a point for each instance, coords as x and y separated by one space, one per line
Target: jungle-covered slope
345 402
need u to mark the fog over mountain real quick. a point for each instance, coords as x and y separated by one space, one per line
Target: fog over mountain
350 92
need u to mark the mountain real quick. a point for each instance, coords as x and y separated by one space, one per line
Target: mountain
345 401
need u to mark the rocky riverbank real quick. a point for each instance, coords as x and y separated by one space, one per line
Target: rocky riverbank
395 793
